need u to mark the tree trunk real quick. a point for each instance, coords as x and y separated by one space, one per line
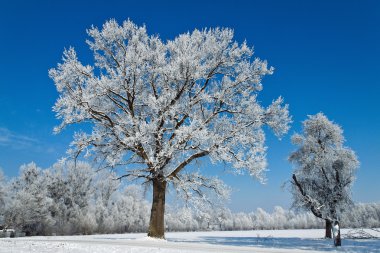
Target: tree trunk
328 229
337 239
157 221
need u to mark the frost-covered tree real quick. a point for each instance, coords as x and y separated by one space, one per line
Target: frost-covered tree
157 106
262 218
58 191
2 197
105 188
2 187
279 217
29 207
324 171
363 216
71 187
130 211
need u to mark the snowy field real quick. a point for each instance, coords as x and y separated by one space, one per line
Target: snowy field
192 242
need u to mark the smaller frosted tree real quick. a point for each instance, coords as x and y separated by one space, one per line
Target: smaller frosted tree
324 171
2 197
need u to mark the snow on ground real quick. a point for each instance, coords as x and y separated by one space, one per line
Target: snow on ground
260 241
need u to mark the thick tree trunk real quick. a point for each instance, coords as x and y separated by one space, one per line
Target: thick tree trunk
157 221
328 229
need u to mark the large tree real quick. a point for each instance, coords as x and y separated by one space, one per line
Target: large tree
324 170
155 107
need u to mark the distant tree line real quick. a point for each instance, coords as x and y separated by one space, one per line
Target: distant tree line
71 198
184 219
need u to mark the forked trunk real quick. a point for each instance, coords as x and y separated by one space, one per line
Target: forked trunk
157 221
328 229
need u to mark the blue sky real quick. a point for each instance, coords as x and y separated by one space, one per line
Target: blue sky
326 55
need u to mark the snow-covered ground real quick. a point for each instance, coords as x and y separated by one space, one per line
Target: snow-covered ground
264 241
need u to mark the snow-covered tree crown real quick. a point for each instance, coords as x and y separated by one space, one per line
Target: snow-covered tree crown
161 105
318 127
322 141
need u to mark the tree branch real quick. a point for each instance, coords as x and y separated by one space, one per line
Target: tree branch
186 162
315 210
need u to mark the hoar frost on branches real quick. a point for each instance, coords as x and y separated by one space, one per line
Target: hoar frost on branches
324 171
156 106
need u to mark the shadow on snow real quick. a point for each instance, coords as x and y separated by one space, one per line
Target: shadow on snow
348 245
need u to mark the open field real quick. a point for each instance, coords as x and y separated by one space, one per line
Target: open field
265 241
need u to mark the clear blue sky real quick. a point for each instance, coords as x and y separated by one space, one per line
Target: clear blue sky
326 55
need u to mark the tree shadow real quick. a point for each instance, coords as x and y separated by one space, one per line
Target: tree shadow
348 245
